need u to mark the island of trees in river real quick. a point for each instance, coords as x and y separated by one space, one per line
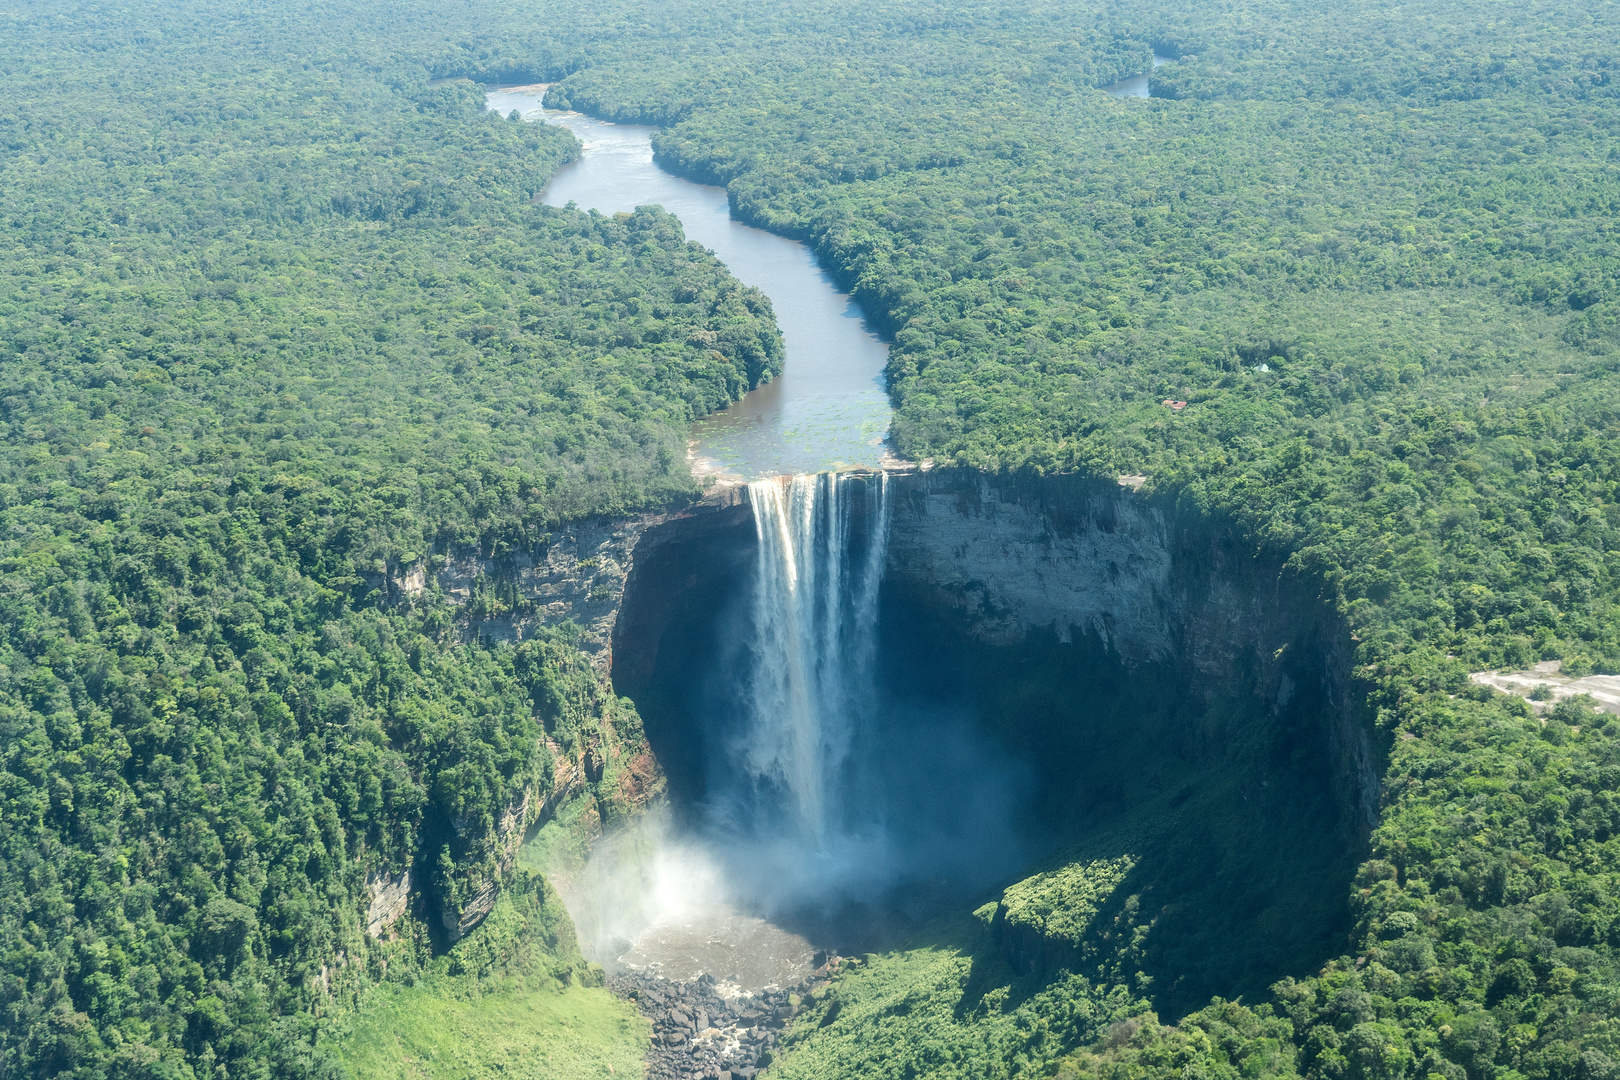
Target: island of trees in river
279 318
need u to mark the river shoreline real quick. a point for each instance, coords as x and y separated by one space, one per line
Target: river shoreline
829 407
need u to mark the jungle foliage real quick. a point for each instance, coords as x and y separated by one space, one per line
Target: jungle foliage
278 323
513 999
1373 248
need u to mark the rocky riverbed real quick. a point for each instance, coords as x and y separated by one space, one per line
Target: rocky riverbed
704 1029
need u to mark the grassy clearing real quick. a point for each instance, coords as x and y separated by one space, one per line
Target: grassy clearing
438 1030
948 1008
513 999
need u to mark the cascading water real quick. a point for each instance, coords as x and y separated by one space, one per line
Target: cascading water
811 694
827 801
789 815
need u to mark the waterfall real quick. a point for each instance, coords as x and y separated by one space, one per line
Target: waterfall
821 546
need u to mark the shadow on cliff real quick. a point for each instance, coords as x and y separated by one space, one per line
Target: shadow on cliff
1220 758
1229 810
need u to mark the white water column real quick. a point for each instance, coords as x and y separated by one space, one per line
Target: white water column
815 619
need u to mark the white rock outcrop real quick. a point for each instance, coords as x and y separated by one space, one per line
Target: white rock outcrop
390 897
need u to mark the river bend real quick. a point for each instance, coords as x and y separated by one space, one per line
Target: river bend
829 408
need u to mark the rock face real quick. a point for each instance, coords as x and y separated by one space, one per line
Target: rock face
390 897
1003 558
577 574
510 830
1008 556
684 570
1056 554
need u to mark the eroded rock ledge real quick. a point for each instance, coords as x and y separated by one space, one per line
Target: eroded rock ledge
577 575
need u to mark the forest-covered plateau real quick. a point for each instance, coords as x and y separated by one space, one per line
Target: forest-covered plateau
278 318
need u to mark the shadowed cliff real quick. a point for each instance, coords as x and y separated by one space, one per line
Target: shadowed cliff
1070 678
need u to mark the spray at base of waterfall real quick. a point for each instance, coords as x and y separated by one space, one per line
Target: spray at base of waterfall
651 899
832 806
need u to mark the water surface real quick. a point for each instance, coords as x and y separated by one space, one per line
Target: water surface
828 409
1137 86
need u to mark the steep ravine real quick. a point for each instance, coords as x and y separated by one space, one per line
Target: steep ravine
1145 693
1137 694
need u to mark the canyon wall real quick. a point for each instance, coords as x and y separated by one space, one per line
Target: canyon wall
577 574
1104 579
1106 679
1009 556
1005 557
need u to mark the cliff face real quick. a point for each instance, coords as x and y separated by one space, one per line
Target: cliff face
1187 707
1129 687
1008 557
1002 559
577 574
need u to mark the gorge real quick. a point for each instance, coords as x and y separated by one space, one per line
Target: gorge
880 696
1058 669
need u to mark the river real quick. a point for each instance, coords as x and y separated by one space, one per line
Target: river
648 899
1137 86
829 408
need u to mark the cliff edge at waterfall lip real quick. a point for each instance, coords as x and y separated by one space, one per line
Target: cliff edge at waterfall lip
716 478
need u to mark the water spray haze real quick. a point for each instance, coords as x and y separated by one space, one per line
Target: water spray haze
686 881
823 791
637 877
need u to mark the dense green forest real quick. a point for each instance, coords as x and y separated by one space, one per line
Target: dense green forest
1374 250
277 319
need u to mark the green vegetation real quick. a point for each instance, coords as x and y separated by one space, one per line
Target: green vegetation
1059 904
1373 247
951 1008
278 323
273 331
512 999
545 1033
